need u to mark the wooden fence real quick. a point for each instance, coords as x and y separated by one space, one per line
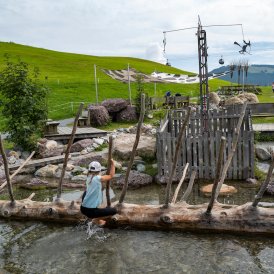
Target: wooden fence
200 148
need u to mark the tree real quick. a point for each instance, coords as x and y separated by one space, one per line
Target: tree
24 103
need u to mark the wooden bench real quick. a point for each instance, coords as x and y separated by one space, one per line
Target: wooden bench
51 127
82 122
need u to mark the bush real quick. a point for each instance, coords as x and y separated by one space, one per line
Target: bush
24 104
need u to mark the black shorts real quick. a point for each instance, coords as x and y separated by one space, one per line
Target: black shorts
98 212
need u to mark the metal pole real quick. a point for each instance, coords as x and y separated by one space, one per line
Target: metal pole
129 89
96 88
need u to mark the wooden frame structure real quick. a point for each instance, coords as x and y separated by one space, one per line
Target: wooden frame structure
201 148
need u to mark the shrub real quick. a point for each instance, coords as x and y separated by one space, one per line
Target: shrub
24 104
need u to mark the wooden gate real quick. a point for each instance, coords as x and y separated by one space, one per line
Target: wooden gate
200 148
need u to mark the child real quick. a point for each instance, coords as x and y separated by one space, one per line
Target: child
93 196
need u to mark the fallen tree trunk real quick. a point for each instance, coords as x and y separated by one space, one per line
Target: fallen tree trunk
180 217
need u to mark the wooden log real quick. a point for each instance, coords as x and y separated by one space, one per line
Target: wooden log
233 149
175 159
108 169
178 217
135 145
263 187
6 166
214 193
18 170
180 184
190 185
59 191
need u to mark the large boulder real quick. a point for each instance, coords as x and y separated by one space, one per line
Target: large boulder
49 148
225 190
98 116
47 171
262 153
115 105
84 160
214 98
80 145
251 98
135 180
233 101
123 144
127 115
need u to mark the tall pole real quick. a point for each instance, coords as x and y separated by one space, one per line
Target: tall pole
203 73
96 87
129 89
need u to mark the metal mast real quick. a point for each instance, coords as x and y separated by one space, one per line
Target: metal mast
203 73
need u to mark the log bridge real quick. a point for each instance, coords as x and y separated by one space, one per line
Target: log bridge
253 217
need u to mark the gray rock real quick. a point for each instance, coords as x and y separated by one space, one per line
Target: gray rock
12 160
51 144
115 105
136 180
77 170
98 116
47 171
252 181
66 176
262 153
98 141
25 155
79 178
124 142
141 167
270 189
80 145
127 115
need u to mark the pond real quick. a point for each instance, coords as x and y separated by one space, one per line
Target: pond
34 247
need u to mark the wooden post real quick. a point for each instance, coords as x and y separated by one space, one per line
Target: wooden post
260 194
233 149
218 174
180 139
59 191
6 165
190 185
18 170
138 133
108 170
180 184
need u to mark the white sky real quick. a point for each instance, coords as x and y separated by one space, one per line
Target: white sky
135 28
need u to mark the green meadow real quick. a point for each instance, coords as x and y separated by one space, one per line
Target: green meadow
71 77
71 80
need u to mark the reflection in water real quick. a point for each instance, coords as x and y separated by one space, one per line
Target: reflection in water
49 248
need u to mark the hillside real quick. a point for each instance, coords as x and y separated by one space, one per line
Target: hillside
262 75
71 76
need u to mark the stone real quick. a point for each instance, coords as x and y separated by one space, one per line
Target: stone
123 144
115 105
252 181
51 144
135 180
262 153
141 167
98 141
79 178
12 160
84 152
225 190
251 98
43 152
25 155
127 115
234 101
150 116
37 182
84 160
77 170
270 189
80 145
98 116
66 176
14 154
214 98
47 171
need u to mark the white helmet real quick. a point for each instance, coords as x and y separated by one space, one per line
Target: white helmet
94 166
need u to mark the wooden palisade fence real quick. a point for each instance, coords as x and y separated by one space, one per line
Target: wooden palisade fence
201 146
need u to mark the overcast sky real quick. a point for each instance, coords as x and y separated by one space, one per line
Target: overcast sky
135 28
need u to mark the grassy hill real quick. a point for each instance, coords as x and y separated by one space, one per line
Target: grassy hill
71 76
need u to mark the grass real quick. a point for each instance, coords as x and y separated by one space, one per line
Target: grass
71 77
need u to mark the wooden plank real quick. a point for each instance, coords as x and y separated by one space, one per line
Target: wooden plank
229 143
200 155
245 154
239 157
206 154
212 155
195 163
